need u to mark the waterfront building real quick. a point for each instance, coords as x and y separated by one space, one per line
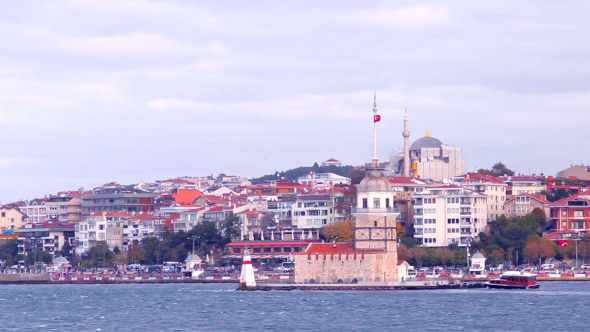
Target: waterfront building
570 184
265 251
101 228
372 257
49 236
427 158
273 189
523 204
449 214
490 186
571 213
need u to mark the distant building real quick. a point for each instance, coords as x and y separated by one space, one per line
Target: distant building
116 198
97 228
491 186
35 210
66 206
323 181
11 218
523 185
581 172
314 211
332 162
427 158
523 204
48 236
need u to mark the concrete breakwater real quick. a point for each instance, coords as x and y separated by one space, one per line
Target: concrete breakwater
368 286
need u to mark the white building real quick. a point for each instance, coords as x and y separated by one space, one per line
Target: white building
449 214
314 211
491 186
322 181
35 210
106 227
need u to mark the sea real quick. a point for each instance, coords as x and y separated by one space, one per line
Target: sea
556 306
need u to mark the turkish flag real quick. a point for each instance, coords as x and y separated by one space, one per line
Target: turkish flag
376 118
563 242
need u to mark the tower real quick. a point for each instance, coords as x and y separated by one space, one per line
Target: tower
376 215
406 135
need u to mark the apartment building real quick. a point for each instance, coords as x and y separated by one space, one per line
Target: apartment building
117 198
66 206
97 228
490 186
449 214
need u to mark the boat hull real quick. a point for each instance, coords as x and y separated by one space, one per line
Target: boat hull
500 286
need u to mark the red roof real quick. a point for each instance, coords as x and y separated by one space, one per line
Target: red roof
268 243
111 214
215 209
338 247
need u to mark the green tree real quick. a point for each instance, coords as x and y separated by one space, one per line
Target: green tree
419 255
67 250
498 169
230 227
116 250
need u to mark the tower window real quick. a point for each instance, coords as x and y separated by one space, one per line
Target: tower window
365 203
375 223
387 202
376 202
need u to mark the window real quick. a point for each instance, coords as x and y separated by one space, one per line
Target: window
578 213
387 202
376 202
278 249
578 224
257 250
365 203
267 250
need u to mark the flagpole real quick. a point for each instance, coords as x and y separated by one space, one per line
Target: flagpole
375 159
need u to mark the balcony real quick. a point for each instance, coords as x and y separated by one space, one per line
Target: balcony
392 210
418 213
418 222
465 233
465 213
465 203
418 203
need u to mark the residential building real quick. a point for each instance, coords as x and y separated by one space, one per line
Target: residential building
66 206
523 184
323 181
314 211
11 218
36 210
581 172
116 198
523 204
275 188
449 214
571 184
105 227
49 236
490 186
571 213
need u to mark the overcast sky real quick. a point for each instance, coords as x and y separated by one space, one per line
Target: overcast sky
97 91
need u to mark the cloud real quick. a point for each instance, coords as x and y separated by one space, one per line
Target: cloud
165 104
417 17
5 161
206 65
134 44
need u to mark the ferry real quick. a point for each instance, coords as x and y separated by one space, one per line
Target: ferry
514 280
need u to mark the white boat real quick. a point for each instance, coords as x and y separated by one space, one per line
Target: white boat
514 280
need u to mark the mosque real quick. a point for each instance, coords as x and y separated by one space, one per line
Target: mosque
427 158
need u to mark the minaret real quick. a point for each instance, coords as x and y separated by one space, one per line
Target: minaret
376 118
406 135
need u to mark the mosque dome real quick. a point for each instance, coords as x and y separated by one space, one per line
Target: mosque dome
426 142
478 255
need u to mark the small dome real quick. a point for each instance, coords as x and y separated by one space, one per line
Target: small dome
374 180
60 260
426 142
478 255
193 258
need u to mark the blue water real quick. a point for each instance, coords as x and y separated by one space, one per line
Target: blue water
557 306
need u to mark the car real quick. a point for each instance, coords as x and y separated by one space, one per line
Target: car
564 266
585 266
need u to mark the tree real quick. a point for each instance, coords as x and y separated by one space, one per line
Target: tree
540 217
267 220
356 176
67 250
444 254
340 231
135 253
116 250
498 169
538 248
403 253
419 255
230 227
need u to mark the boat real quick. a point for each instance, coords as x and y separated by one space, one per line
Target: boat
514 280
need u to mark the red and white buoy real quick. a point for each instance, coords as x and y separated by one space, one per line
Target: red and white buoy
247 278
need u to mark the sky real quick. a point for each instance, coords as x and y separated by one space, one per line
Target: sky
133 90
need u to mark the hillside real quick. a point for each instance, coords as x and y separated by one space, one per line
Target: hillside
295 173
